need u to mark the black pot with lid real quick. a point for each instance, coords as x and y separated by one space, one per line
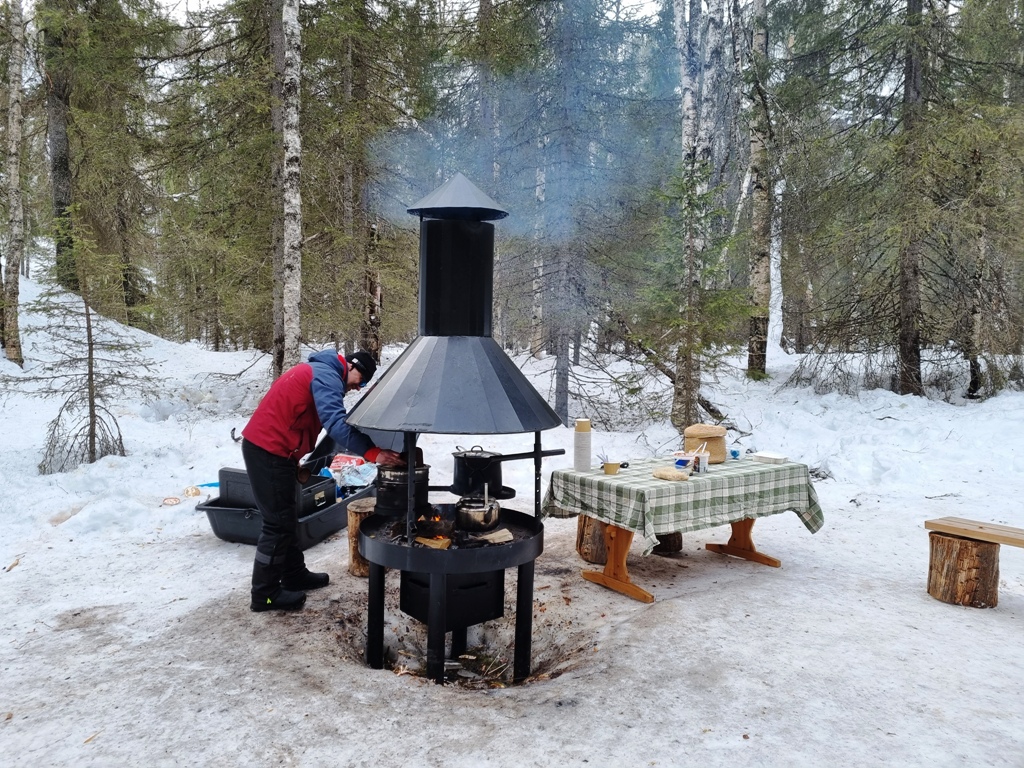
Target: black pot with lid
476 468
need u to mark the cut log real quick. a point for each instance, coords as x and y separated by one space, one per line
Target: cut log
358 511
590 540
441 542
668 543
963 571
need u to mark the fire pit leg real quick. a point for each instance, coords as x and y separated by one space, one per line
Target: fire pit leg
524 623
460 639
436 614
375 618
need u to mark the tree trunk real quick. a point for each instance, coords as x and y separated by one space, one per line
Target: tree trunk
358 511
90 378
761 202
972 343
590 540
286 165
275 21
292 189
560 341
695 156
537 335
16 218
687 25
912 242
373 299
58 108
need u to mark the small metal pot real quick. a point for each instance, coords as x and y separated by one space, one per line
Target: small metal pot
473 514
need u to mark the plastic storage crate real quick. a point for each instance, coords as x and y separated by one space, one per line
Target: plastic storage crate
316 493
242 523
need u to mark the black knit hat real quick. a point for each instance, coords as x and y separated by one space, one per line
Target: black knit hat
364 363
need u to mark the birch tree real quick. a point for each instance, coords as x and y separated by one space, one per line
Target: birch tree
705 93
761 197
285 41
16 210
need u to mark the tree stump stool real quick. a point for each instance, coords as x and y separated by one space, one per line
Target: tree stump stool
668 543
591 547
963 571
590 540
358 511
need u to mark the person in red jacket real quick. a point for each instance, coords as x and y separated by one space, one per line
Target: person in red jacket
284 428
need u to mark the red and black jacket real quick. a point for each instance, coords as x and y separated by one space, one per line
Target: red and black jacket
305 399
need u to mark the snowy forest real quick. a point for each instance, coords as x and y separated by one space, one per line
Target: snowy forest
237 174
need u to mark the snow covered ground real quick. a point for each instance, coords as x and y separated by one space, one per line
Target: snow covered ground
127 637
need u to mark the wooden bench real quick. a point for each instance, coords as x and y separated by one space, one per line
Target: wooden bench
963 568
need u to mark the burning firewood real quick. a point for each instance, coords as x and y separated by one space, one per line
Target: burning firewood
440 543
499 536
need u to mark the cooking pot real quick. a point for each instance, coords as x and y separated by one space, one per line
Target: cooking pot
393 488
473 514
476 468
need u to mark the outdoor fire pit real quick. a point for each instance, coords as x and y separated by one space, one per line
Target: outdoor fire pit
453 379
452 589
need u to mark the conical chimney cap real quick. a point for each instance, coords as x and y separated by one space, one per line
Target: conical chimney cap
458 198
455 385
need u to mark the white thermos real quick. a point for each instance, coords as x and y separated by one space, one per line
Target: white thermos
581 446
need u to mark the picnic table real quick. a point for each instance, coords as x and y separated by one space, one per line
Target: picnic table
635 502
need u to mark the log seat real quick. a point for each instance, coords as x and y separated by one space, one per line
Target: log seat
963 567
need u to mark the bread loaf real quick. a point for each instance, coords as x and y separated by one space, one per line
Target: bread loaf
671 473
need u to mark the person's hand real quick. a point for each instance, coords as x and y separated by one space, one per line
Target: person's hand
388 458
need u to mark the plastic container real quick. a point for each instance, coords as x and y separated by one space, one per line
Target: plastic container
767 457
242 524
316 493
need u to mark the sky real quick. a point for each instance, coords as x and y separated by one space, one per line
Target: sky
128 640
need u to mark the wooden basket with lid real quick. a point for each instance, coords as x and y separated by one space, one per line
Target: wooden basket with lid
712 434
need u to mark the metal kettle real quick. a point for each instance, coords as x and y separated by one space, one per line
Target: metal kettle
476 514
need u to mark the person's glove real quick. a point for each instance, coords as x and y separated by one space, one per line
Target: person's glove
384 457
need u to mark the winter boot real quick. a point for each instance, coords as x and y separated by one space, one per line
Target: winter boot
304 580
284 600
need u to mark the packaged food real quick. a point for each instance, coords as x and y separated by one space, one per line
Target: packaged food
345 460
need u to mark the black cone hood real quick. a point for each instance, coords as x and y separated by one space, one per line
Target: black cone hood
457 385
454 378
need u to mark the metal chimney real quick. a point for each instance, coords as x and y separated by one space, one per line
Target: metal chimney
454 378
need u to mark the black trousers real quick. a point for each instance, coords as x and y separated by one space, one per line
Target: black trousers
273 482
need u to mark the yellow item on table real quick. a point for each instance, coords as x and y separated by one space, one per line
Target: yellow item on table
671 473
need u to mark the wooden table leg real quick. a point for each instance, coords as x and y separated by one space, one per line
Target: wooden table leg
742 545
615 576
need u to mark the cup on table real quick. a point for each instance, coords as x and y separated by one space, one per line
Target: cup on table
611 467
701 462
734 453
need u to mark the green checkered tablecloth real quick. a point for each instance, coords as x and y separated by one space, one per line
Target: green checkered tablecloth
636 500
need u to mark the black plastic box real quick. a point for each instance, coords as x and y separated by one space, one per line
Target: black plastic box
242 523
316 493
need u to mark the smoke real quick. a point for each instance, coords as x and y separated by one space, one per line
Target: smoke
586 130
